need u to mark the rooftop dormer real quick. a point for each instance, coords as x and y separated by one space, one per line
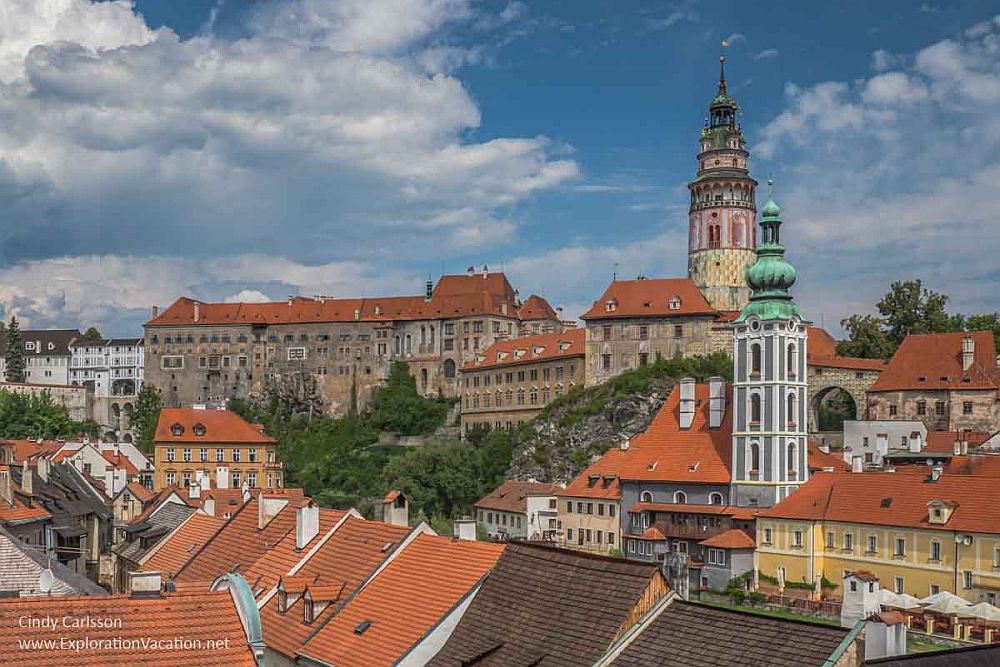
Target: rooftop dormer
939 511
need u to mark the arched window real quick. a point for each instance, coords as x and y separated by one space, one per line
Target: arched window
423 378
646 496
409 344
533 396
499 398
791 411
397 350
680 497
423 335
753 457
715 499
755 359
754 408
432 334
793 361
792 460
449 368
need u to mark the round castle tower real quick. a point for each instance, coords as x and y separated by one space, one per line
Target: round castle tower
722 233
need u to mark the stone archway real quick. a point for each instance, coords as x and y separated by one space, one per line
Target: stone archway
825 381
829 407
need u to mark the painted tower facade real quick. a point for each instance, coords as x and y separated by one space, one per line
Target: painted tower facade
770 458
722 231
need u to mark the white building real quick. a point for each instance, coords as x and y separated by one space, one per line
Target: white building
873 439
46 355
519 510
109 367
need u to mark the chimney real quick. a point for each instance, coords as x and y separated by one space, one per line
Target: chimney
965 447
936 471
465 529
197 311
156 312
396 509
687 402
115 450
624 444
26 481
306 525
194 490
915 445
209 506
968 352
857 464
43 468
222 477
144 584
6 491
290 300
428 290
717 401
471 271
957 447
486 272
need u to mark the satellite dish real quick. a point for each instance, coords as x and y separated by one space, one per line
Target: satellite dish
45 580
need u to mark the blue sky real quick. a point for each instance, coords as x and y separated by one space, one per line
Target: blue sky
260 149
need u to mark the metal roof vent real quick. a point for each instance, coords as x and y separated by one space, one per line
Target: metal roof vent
361 627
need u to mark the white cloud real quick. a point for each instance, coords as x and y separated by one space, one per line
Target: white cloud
736 38
248 296
883 60
894 88
766 54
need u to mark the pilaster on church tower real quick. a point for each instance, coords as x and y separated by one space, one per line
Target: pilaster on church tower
722 233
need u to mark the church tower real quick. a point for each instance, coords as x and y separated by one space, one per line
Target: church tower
769 457
722 218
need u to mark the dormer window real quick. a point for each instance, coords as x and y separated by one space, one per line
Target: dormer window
939 511
308 615
674 303
611 305
518 354
538 349
199 429
282 601
177 429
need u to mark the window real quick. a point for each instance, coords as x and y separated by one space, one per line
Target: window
892 410
236 479
569 534
171 477
678 331
899 585
220 455
872 544
935 551
755 360
754 457
186 454
792 361
643 359
797 539
611 511
900 547
767 536
296 353
716 557
848 541
170 453
569 506
754 408
590 508
643 332
645 496
715 499
611 539
966 407
967 579
935 589
203 455
607 332
680 497
236 455
792 460
939 408
921 408
996 557
791 411
829 540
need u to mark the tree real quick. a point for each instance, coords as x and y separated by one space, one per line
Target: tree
910 308
398 406
146 415
38 416
14 356
92 334
990 322
866 338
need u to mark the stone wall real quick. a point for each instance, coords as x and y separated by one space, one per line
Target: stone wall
941 410
822 379
721 276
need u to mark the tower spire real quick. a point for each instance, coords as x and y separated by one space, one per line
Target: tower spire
771 276
722 74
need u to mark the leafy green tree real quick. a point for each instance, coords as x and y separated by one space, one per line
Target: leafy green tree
399 408
38 416
146 415
92 334
866 338
910 308
988 322
14 356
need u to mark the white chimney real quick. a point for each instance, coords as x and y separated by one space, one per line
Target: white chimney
156 311
717 401
965 447
396 509
197 311
26 485
687 402
956 447
915 445
936 471
222 477
6 490
465 529
144 584
209 506
471 271
857 464
43 468
194 490
306 525
968 352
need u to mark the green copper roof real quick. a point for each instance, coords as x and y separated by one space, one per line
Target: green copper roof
771 276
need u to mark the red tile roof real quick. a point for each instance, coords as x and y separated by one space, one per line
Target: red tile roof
531 349
240 542
282 557
943 442
454 296
893 499
818 459
666 452
536 308
26 449
344 560
180 546
934 361
822 349
652 533
141 493
404 601
734 538
512 495
120 462
599 480
649 298
202 617
221 426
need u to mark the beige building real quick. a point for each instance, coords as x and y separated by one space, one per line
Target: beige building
949 381
214 448
337 349
511 381
636 321
590 507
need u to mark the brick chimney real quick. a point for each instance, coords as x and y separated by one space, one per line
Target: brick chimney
968 352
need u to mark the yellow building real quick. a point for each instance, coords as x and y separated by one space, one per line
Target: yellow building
920 531
589 508
217 445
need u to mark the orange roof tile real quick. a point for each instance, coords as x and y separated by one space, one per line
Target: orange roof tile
181 545
21 512
652 533
666 452
141 493
512 495
160 498
345 559
391 496
203 617
531 349
823 352
536 308
282 557
417 588
221 426
943 442
934 361
734 538
26 449
649 297
599 480
120 462
818 459
239 543
893 499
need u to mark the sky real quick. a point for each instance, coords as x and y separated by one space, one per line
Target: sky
256 149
